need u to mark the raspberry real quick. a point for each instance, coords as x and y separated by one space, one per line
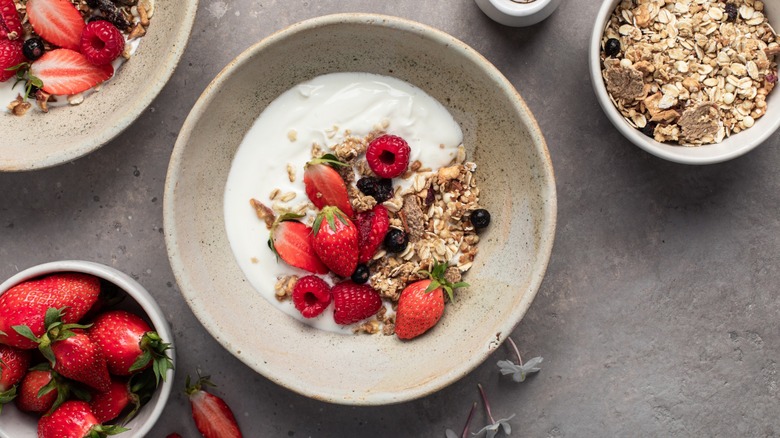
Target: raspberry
388 156
311 295
101 42
353 302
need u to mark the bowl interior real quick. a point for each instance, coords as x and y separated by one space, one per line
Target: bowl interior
67 133
17 424
731 147
514 171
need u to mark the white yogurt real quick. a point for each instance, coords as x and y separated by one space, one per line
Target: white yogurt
319 111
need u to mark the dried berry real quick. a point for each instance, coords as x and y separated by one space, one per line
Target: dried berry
649 129
113 14
380 189
732 12
612 47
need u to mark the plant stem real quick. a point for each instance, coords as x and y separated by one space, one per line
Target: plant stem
517 352
465 433
485 401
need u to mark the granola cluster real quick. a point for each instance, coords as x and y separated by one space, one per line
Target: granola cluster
131 17
690 71
434 210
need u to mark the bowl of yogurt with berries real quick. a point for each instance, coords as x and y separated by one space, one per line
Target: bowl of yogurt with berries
81 72
382 216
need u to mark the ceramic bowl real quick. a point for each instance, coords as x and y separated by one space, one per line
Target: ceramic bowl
515 174
17 424
517 14
39 140
731 147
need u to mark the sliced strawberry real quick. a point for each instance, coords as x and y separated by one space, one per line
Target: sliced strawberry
56 21
10 23
10 56
372 227
68 72
292 241
324 185
212 415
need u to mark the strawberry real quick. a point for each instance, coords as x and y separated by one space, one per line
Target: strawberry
43 390
56 21
336 241
129 344
70 351
13 366
65 71
292 241
421 304
311 296
354 302
109 405
74 419
372 227
10 23
26 304
212 416
10 56
324 185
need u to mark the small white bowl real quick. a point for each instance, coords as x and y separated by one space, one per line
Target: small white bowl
731 147
510 13
16 424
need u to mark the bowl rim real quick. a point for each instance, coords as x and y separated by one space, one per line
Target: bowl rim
134 110
652 146
138 293
546 232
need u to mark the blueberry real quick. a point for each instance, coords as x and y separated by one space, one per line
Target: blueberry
732 12
33 49
480 218
396 240
361 274
612 47
380 189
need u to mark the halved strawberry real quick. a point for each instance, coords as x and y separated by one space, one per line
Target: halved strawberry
292 241
324 185
56 21
65 71
10 56
372 227
10 22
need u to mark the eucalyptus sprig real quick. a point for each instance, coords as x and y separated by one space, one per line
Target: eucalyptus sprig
519 370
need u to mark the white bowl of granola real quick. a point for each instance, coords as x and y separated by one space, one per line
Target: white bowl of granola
217 245
690 82
62 122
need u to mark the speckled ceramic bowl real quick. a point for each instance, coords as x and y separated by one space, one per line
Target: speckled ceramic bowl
731 147
40 140
515 175
17 424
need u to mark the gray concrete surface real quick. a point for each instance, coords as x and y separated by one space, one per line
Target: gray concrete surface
659 312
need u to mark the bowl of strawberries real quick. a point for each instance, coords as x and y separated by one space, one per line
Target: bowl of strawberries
81 72
83 347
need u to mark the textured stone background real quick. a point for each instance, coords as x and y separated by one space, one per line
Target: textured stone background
658 315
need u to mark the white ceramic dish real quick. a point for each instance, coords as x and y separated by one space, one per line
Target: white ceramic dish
511 13
729 148
39 140
516 181
16 424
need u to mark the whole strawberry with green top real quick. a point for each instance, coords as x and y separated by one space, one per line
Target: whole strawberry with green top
13 366
421 304
26 304
336 241
74 419
129 344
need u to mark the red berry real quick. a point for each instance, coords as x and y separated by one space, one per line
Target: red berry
311 295
293 242
56 21
372 227
32 384
324 185
10 22
68 72
212 415
354 302
13 366
388 156
10 56
101 42
336 241
418 310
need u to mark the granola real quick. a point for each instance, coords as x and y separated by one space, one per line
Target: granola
690 71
